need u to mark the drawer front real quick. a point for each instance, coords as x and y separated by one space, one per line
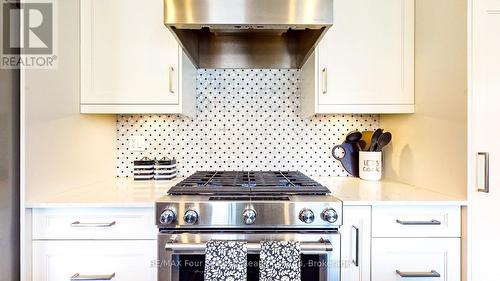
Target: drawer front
419 221
94 223
101 260
422 259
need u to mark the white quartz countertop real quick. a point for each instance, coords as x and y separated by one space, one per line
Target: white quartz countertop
124 192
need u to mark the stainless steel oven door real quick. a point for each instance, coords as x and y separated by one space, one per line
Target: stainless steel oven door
181 255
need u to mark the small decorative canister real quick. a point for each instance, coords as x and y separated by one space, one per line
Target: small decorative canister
165 169
144 169
370 165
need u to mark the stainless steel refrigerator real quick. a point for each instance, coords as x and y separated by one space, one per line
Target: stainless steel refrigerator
9 175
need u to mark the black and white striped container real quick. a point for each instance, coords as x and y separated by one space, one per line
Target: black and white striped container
144 169
165 169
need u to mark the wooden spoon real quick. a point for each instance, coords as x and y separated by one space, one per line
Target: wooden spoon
383 140
375 137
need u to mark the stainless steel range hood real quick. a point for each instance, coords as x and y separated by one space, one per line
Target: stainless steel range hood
248 33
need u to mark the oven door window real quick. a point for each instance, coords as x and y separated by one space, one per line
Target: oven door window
182 255
190 267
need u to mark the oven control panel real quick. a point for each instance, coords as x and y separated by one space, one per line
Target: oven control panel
251 214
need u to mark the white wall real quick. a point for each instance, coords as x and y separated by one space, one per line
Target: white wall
64 149
429 147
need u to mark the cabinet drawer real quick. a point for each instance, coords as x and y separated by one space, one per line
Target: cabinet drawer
94 223
418 221
429 259
127 260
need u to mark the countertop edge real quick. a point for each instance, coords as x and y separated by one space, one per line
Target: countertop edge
152 204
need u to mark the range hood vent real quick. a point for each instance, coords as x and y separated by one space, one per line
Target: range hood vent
248 33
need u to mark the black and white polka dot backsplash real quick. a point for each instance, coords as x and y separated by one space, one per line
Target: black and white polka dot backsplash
247 119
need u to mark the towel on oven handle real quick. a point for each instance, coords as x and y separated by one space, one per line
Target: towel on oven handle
279 260
226 261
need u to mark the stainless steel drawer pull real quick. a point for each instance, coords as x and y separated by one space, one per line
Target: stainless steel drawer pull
93 224
170 78
355 260
78 276
306 248
325 80
431 274
431 222
484 185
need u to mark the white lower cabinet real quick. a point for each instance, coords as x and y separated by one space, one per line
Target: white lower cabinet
117 260
423 259
355 247
94 249
116 244
417 221
94 223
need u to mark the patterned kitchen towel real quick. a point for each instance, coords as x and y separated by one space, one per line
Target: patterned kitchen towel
279 261
226 261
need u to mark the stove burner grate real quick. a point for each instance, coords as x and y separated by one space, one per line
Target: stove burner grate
248 182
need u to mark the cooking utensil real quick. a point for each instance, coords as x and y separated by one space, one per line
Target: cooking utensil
354 136
374 140
348 154
383 140
366 138
362 144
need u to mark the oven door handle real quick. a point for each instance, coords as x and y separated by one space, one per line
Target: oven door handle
309 248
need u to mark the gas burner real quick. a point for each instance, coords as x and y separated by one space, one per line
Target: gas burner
248 183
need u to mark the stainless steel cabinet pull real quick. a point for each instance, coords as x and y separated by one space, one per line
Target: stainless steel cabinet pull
431 222
430 274
325 80
485 186
93 224
356 245
77 276
306 248
170 78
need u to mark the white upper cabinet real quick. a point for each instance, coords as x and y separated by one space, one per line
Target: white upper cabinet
364 64
130 62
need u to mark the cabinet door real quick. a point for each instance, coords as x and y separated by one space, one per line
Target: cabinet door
366 58
484 129
423 259
355 247
128 56
128 260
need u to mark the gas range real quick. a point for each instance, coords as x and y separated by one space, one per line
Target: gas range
210 200
251 207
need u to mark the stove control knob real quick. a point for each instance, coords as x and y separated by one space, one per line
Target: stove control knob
167 216
306 215
329 215
249 216
191 217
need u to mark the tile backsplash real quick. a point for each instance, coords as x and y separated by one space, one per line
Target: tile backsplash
247 119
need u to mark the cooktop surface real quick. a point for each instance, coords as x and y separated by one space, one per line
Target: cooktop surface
248 183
